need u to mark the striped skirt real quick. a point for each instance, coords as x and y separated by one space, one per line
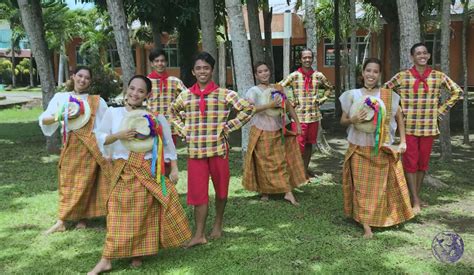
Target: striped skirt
374 187
140 218
272 166
83 185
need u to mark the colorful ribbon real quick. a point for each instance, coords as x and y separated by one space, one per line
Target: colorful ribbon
63 114
283 106
158 158
378 121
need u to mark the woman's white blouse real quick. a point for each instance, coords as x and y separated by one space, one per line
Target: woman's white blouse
261 120
360 138
58 101
110 124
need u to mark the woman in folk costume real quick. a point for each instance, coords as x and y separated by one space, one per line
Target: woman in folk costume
143 209
374 186
271 164
83 186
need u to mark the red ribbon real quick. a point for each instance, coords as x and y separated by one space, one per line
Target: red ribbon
210 87
308 83
420 78
163 78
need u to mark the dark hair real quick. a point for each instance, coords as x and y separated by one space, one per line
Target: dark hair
416 45
206 57
258 64
78 68
372 60
144 78
155 53
306 50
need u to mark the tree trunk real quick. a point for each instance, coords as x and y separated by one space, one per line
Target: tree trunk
465 103
62 61
208 30
337 59
241 52
32 18
445 135
353 54
311 34
119 24
156 33
256 41
187 48
267 26
434 61
409 29
222 65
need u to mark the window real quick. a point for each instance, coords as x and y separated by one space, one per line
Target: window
330 57
171 51
80 60
113 58
430 40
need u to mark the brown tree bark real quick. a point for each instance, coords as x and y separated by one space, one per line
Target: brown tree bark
465 103
409 29
208 32
267 26
256 41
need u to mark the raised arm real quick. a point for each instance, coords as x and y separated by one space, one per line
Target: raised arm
245 111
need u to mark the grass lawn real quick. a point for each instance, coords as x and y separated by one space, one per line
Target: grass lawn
260 237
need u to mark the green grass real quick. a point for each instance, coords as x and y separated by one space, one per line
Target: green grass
271 237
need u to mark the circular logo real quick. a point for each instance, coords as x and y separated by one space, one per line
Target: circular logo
447 247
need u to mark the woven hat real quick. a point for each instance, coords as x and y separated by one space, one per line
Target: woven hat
74 106
368 125
269 95
143 141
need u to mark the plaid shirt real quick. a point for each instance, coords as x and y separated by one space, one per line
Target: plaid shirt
307 103
207 135
422 109
159 103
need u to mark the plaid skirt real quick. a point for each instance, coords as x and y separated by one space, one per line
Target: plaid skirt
83 185
140 218
374 187
272 165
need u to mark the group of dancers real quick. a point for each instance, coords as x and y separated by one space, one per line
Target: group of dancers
122 163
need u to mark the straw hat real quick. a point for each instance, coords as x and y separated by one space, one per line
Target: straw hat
267 97
367 126
142 142
82 119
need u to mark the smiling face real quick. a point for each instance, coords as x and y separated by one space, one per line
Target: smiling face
371 75
136 92
420 56
306 59
202 71
159 64
262 74
82 80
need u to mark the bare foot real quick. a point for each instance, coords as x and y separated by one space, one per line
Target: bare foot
103 265
216 233
57 227
81 224
291 198
136 262
264 197
367 232
196 241
416 209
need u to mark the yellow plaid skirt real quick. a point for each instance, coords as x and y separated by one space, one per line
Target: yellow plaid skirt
140 219
272 166
374 187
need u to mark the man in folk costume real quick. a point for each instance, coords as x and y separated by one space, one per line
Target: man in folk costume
165 89
420 89
144 214
308 90
83 185
200 114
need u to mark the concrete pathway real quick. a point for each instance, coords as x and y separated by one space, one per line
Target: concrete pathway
17 98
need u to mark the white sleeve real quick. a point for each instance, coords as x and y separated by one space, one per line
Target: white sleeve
101 109
53 106
169 148
250 95
395 103
104 129
346 101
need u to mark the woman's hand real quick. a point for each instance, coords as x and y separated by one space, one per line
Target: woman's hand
126 134
72 115
276 103
402 147
174 175
359 117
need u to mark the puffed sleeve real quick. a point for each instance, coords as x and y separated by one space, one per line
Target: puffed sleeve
169 148
103 130
53 106
100 113
346 101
